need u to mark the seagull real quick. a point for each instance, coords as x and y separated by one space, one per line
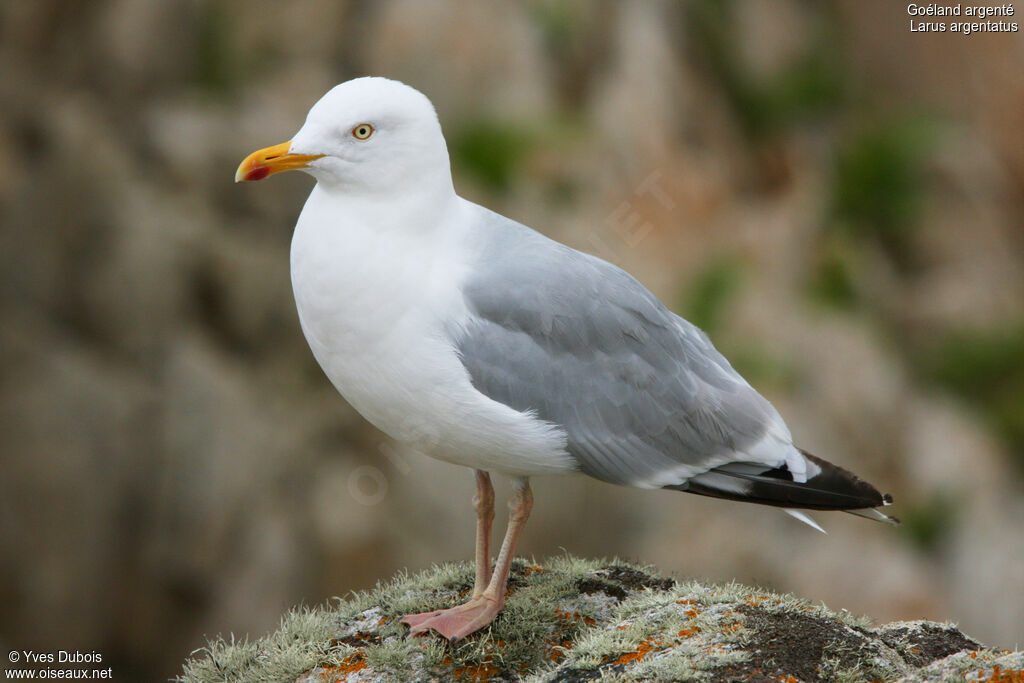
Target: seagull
480 342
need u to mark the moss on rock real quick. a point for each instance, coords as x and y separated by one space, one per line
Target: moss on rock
577 620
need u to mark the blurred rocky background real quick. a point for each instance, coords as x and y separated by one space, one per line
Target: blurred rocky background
837 201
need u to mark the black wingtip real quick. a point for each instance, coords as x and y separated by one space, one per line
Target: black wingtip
831 488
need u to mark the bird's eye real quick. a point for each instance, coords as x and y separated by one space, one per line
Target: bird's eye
362 132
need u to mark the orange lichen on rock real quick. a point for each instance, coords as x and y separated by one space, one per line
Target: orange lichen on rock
1004 676
569 619
645 647
354 662
789 679
556 652
687 632
476 673
557 648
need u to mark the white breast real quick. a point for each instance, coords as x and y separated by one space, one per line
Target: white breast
378 305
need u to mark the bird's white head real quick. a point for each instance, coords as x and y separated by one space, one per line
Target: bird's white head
365 135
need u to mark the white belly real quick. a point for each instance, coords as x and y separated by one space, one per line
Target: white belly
378 317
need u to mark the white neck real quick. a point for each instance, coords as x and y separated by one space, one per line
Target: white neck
359 266
426 204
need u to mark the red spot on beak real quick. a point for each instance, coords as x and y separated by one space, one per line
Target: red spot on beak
258 173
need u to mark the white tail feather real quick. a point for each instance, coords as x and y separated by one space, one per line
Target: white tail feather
805 518
872 513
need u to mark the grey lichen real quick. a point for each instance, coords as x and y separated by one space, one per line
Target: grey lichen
305 639
575 620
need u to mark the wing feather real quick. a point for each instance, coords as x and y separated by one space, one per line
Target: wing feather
641 393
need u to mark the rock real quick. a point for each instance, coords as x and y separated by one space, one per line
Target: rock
573 620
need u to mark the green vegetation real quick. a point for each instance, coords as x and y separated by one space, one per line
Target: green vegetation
878 188
812 85
712 290
927 523
834 280
706 302
491 151
558 20
879 185
215 64
986 368
763 370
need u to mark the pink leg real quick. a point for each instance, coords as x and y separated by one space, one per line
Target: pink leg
483 501
458 622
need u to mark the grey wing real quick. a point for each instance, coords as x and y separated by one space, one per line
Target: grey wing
643 396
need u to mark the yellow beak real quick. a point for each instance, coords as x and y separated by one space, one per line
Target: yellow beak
264 162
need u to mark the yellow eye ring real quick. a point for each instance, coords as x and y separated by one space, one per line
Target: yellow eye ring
362 132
